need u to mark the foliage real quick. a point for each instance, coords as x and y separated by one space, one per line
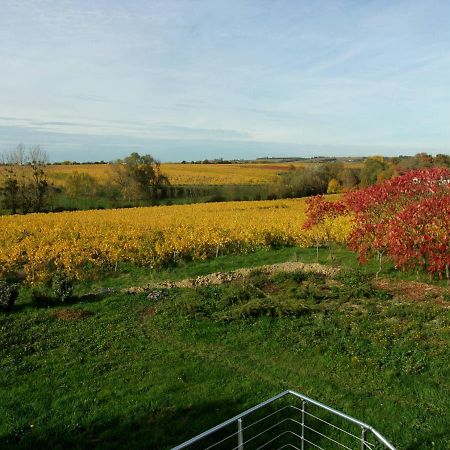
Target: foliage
419 236
87 243
81 185
8 295
334 186
323 215
260 307
405 218
62 286
140 177
374 169
302 182
24 180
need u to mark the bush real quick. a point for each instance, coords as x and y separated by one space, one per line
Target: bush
62 286
8 295
357 284
260 307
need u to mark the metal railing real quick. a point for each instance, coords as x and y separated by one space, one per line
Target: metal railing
290 420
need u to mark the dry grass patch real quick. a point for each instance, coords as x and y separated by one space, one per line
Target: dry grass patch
414 291
72 314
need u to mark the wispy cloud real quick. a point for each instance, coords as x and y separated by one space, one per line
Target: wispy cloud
237 73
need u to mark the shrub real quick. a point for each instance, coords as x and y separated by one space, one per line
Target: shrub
62 286
260 307
8 295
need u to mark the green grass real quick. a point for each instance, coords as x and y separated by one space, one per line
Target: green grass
191 194
129 275
140 373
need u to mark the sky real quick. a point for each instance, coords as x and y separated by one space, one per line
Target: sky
92 80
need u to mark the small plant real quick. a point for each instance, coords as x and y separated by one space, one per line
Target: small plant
62 286
260 307
8 295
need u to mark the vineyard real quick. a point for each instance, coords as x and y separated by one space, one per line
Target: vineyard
405 219
83 243
186 174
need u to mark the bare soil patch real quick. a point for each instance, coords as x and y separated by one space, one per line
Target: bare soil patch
413 291
235 275
147 312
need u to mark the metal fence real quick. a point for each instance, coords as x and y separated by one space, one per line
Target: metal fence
289 421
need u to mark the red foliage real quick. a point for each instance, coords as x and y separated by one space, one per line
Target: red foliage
318 209
406 218
420 235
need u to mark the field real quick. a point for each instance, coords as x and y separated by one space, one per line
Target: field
83 243
186 174
146 352
125 371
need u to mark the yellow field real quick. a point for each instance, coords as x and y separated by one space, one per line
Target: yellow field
57 174
219 174
85 242
185 174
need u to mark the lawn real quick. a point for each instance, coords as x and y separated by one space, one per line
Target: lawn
116 370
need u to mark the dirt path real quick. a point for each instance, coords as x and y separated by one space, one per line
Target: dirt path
235 275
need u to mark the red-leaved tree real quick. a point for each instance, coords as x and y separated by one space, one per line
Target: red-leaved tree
405 218
318 210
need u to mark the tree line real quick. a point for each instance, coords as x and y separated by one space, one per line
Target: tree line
25 186
336 177
138 180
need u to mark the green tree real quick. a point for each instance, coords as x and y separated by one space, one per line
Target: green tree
140 177
311 180
371 170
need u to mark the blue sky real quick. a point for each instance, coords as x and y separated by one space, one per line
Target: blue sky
195 79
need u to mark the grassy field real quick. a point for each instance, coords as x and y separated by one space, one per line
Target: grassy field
115 370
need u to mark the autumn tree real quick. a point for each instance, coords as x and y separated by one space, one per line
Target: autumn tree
321 212
140 177
372 169
25 186
81 185
405 219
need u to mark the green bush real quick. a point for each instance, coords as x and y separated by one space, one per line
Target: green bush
62 286
8 295
357 284
260 307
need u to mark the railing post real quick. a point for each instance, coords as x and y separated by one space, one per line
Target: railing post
363 438
240 435
302 446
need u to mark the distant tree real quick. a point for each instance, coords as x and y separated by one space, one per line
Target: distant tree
24 184
441 160
302 182
425 160
140 177
81 185
371 170
348 178
333 186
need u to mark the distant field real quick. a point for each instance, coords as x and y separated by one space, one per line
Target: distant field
187 174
